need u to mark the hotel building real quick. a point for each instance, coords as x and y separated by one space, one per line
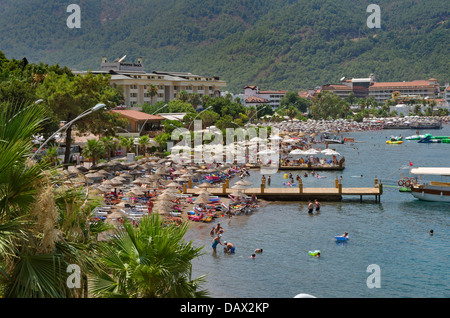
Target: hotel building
136 84
382 91
254 97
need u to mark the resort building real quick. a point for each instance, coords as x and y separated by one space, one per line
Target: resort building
140 87
358 86
418 89
382 91
254 97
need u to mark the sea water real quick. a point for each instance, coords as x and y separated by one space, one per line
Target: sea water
392 234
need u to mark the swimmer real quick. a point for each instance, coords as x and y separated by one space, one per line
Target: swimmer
431 232
229 247
317 205
216 242
318 254
310 207
259 250
253 256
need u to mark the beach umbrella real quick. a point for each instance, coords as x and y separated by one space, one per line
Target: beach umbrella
297 152
330 152
202 199
166 196
173 185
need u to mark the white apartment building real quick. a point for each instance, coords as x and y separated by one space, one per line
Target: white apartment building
136 84
253 97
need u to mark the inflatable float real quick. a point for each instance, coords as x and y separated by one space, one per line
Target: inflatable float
341 238
394 142
314 253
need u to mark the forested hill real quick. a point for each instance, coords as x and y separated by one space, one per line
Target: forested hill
275 44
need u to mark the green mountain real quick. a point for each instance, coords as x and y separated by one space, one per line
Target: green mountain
275 44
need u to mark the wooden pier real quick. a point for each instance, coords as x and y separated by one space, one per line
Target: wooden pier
298 193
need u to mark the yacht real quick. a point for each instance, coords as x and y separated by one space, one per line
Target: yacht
438 191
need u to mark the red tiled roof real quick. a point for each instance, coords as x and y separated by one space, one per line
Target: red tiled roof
255 99
137 115
336 87
417 83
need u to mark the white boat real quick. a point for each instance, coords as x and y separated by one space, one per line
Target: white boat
438 191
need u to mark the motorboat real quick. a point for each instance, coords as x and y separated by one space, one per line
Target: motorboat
438 191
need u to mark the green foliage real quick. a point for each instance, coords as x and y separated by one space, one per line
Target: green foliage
278 44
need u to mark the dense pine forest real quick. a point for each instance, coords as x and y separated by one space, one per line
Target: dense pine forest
275 44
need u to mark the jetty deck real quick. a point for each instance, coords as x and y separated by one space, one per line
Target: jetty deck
295 193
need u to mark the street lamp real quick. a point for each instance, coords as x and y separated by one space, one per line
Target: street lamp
142 128
35 103
85 113
197 116
256 113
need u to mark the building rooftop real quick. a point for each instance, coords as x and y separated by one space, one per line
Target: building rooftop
137 115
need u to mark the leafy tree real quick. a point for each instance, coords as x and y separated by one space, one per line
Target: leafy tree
69 96
293 99
326 105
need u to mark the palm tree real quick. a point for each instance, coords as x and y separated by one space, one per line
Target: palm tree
128 143
110 144
195 100
51 156
94 150
43 228
183 96
152 90
148 261
144 141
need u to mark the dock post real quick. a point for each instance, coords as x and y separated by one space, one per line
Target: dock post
300 185
262 187
336 183
380 188
224 188
340 188
227 183
184 188
190 183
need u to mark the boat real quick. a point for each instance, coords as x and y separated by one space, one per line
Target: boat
394 142
426 125
334 141
437 191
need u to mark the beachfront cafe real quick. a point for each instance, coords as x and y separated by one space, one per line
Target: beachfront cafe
312 159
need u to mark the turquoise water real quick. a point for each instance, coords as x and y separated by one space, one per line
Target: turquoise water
393 234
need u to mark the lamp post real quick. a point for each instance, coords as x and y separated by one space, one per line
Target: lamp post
85 113
257 110
142 128
197 116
